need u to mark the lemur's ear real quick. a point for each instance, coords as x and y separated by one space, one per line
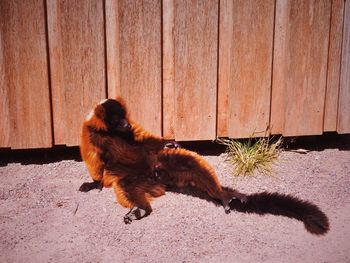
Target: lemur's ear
123 104
121 101
99 111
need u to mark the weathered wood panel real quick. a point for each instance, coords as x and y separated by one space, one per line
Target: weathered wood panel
196 44
24 75
300 67
188 69
168 69
344 96
77 59
113 47
333 71
245 55
4 95
134 58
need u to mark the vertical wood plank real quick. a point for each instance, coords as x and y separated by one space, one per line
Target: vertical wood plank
24 82
300 67
334 61
168 69
77 59
196 44
344 96
113 47
4 94
134 58
245 55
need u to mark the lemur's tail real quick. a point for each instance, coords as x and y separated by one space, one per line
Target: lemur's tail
316 222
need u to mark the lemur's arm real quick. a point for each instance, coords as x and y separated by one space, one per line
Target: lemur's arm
151 142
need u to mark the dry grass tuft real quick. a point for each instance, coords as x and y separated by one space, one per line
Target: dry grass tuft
252 154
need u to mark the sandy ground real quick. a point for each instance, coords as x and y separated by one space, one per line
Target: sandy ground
43 218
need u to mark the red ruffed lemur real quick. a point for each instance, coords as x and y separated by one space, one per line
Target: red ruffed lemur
140 167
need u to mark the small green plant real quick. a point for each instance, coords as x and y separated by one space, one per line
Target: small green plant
252 154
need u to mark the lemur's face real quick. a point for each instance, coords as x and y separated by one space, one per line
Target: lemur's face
113 114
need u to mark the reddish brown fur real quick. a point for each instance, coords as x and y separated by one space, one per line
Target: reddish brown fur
129 167
183 168
135 194
139 166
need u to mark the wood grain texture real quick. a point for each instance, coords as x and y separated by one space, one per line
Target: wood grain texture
4 94
168 69
344 93
245 55
113 47
334 61
24 79
77 59
300 67
134 59
196 44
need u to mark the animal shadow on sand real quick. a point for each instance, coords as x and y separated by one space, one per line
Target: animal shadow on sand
315 221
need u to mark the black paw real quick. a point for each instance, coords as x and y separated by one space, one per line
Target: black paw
242 199
239 196
127 219
172 145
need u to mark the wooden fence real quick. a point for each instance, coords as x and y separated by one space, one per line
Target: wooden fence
188 69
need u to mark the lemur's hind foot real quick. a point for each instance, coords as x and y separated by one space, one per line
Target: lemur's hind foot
229 195
136 213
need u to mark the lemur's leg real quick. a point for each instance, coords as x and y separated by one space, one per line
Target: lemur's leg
141 209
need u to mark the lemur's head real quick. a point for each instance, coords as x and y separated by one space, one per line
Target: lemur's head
110 115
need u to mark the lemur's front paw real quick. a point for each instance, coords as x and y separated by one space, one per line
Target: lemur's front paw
172 145
127 219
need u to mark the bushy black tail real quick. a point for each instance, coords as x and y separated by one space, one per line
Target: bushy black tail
315 221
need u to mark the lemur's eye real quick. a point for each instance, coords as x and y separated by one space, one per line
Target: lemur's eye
124 124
